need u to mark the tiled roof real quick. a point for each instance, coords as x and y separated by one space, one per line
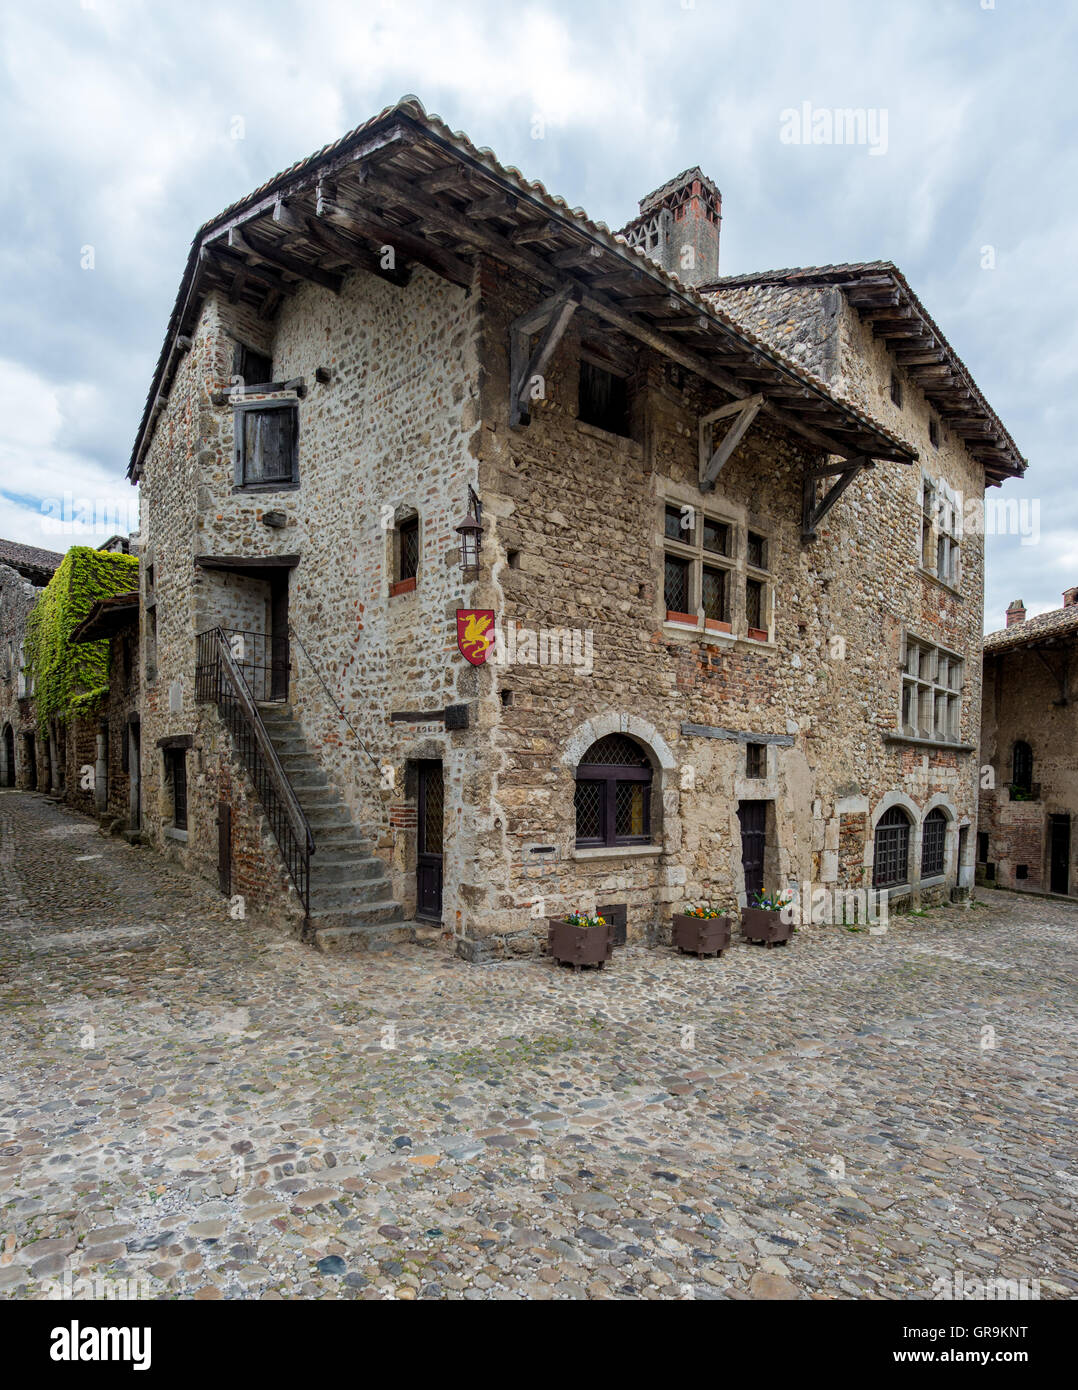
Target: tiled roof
23 557
1006 461
421 138
1045 627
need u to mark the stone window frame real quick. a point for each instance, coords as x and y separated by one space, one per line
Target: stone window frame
735 562
399 583
609 776
665 823
941 531
925 685
240 408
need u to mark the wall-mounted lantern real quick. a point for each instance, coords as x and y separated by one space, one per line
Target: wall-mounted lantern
470 531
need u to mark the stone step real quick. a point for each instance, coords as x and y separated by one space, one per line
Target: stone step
367 914
329 818
331 940
355 869
307 779
348 897
319 797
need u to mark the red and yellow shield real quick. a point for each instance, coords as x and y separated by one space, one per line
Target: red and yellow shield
475 633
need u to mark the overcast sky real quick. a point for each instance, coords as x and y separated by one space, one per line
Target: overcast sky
128 125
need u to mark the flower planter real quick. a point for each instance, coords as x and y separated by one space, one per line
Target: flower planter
762 924
689 619
703 936
758 634
716 625
577 946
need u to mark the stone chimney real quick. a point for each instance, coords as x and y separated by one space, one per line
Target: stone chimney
678 227
1070 597
1016 612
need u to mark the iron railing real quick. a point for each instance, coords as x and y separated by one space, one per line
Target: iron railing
263 660
221 680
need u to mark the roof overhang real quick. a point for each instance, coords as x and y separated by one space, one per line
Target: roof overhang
881 295
107 617
406 180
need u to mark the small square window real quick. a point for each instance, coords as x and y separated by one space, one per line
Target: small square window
755 760
1021 871
678 524
603 400
896 391
265 445
716 536
252 368
756 553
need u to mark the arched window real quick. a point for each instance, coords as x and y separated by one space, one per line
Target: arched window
613 794
892 858
933 839
1022 766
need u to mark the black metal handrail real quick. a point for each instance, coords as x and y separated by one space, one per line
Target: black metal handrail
310 662
220 680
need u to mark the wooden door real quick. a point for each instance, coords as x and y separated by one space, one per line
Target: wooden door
224 848
753 818
428 869
1059 854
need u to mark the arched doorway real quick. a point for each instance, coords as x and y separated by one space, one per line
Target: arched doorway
9 756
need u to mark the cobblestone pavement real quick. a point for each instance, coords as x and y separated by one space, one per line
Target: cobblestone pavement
208 1107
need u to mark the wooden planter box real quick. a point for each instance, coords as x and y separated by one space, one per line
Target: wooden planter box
703 936
716 625
577 946
761 924
689 619
758 634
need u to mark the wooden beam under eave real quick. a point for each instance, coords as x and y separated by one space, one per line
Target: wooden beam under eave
552 318
384 185
813 511
320 233
241 242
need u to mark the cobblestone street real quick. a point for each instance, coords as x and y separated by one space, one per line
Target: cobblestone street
209 1106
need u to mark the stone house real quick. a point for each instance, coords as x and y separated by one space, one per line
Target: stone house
24 572
1029 739
495 563
109 739
81 661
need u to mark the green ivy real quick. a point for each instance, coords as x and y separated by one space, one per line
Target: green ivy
72 679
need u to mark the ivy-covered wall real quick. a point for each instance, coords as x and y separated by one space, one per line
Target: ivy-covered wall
73 678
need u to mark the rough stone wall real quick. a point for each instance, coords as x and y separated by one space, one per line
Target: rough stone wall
17 598
392 430
1020 698
112 719
582 511
802 321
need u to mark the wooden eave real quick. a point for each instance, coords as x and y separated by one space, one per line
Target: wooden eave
406 181
883 299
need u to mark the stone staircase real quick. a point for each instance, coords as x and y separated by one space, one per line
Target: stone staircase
352 908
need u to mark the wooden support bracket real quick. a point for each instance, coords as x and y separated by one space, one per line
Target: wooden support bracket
814 510
550 319
712 461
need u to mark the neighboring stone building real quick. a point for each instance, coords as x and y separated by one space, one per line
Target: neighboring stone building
111 733
1029 738
83 665
722 633
24 572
